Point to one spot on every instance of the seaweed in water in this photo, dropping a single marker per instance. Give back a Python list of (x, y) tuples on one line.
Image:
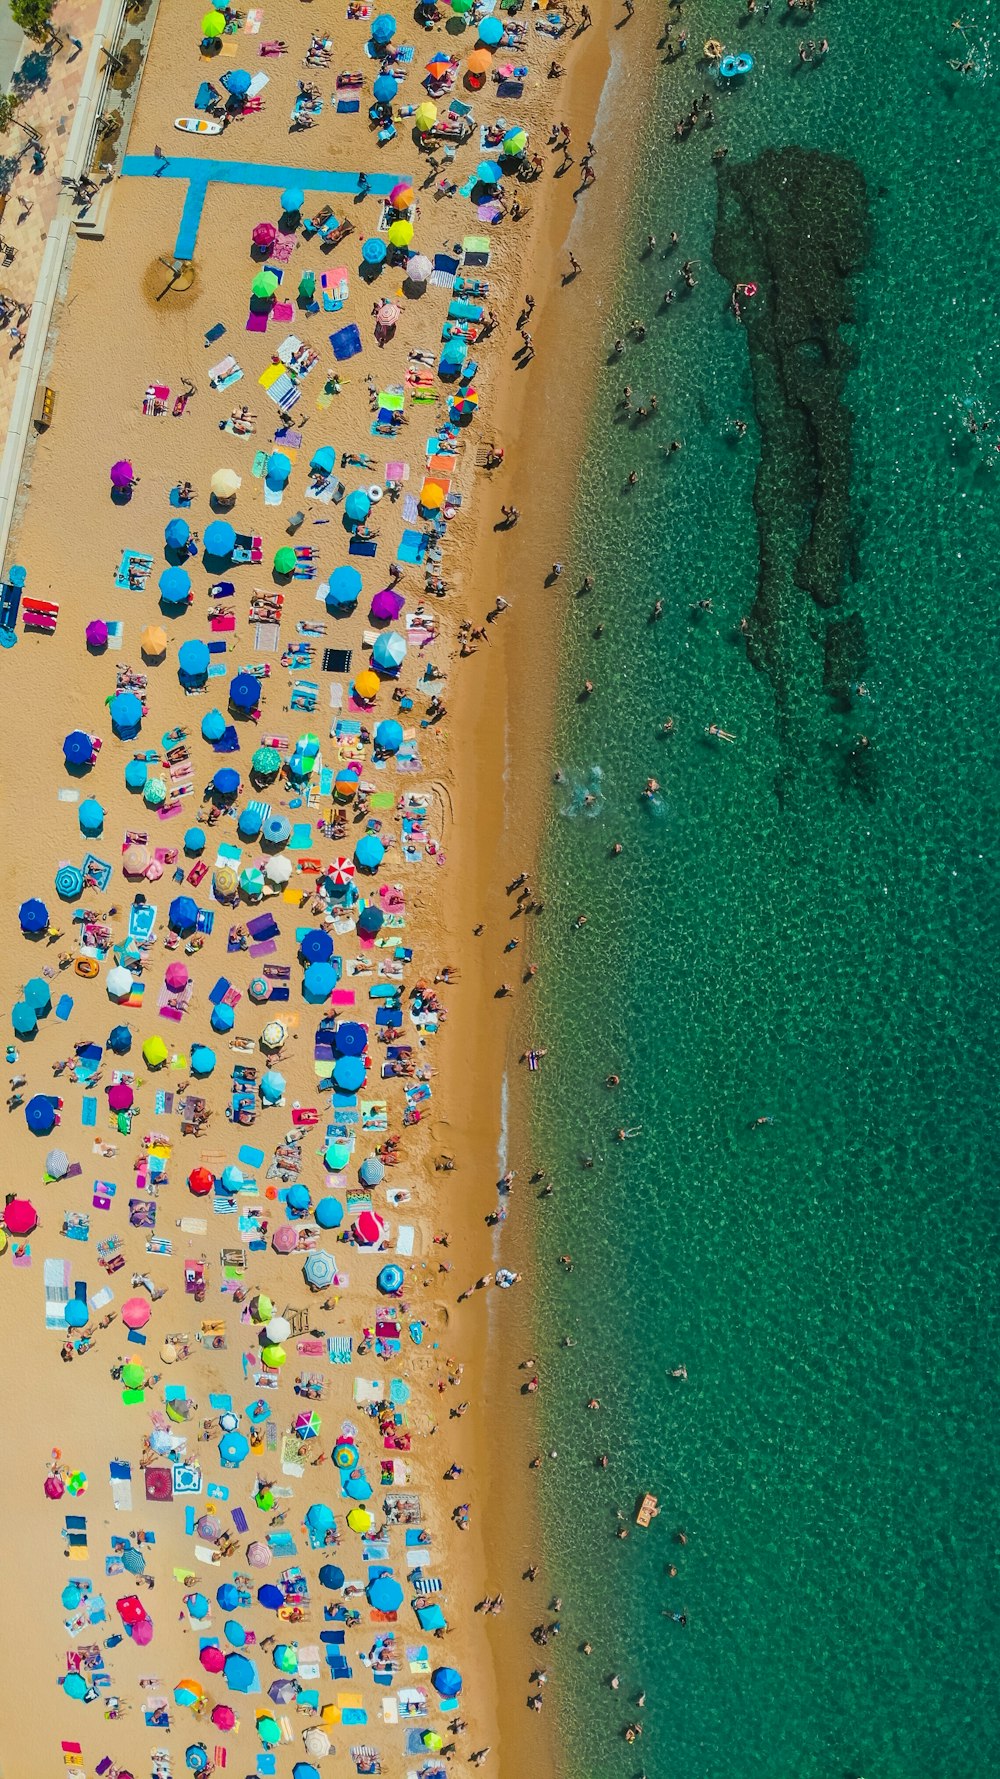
[(794, 221)]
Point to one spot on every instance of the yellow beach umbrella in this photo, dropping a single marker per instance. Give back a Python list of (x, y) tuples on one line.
[(400, 233), (367, 684), (213, 24), (155, 1051), (360, 1520), (425, 115), (226, 483), (153, 640)]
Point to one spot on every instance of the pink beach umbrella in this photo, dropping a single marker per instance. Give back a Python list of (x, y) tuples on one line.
[(122, 474), (97, 634), (387, 314), (265, 234), (177, 976), (142, 1632), (224, 1717), (369, 1229), (258, 1555), (212, 1659), (120, 1097), (285, 1239), (54, 1487), (136, 1312)]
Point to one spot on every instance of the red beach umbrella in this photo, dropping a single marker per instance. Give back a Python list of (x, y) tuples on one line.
[(341, 871), (201, 1182), (369, 1228), (136, 1312), (19, 1216)]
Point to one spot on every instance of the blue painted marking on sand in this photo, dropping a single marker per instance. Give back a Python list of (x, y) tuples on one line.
[(200, 174)]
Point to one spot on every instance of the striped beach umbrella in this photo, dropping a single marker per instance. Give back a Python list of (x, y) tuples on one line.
[(341, 871)]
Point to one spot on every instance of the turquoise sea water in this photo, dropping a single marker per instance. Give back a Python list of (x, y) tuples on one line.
[(800, 929)]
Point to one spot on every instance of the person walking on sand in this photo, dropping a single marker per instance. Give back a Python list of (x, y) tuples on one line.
[(575, 266)]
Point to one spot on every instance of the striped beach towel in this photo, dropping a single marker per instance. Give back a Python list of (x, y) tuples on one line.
[(338, 1349), (55, 1274)]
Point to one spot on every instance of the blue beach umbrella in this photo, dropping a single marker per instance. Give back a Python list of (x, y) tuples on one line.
[(328, 1213), (389, 651), (279, 468), (226, 782), (193, 659), (196, 1758), (223, 1018), (383, 27), (240, 1673), (76, 1313), (447, 1682), (202, 1059), (24, 1019), (452, 355), (126, 714), (316, 946), (351, 1038), (371, 920), (38, 994), (197, 1605), (75, 1687), (373, 251), (250, 823), (90, 816), (385, 89), (384, 1594), (40, 1115), (244, 691), (324, 458), (183, 915), (292, 199), (213, 725), (233, 1449), (272, 1086), (176, 534), (270, 1597), (228, 1596), (233, 1631), (319, 1517), (372, 1171), (298, 1198), (220, 538), (390, 1280), (33, 916), (489, 173), (349, 1073), (319, 1271), (490, 32), (175, 585), (389, 735), (237, 82), (277, 829), (331, 1577), (344, 587), (78, 749), (136, 774), (194, 840), (120, 1040), (319, 982), (357, 506), (369, 852)]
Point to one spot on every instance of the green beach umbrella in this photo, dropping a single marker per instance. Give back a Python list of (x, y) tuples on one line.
[(284, 560), (252, 881), (265, 760), (133, 1376), (264, 285), (213, 24), (154, 792), (307, 287)]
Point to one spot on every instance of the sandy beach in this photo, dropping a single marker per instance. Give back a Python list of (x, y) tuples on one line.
[(125, 329)]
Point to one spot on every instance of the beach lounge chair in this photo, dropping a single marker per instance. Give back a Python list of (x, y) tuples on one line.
[(311, 225), (39, 614)]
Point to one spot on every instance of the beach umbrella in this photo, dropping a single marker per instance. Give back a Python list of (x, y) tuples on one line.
[(373, 251), (329, 1213), (76, 1313), (54, 1489), (120, 1096), (319, 982), (316, 946), (252, 882), (226, 782), (315, 1740), (224, 1717), (237, 82), (270, 1597), (307, 1425), (24, 1019), (68, 882), (154, 1051), (341, 872), (175, 585), (264, 286), (331, 1577), (343, 587), (226, 484), (369, 853), (177, 975), (233, 1449), (360, 1520), (384, 1594), (431, 1739), (383, 27), (447, 1682), (266, 762), (452, 355), (232, 1180), (244, 691), (425, 116), (388, 314), (196, 1755), (479, 63), (273, 1356), (278, 1328), (126, 713), (96, 634), (372, 1171), (202, 1059), (78, 748), (19, 1216), (183, 915), (514, 143), (227, 1595), (57, 1164), (273, 1035), (390, 1280), (345, 1455), (278, 870), (279, 468), (235, 1632), (241, 1675), (389, 651), (319, 1517), (40, 1115), (176, 534), (402, 195), (119, 982), (369, 1228), (194, 840), (297, 1199), (491, 32), (264, 235), (90, 816), (307, 287), (284, 560), (370, 921), (75, 1687), (250, 822), (366, 685), (223, 1018), (419, 268), (201, 1181), (213, 725), (272, 1086), (285, 1658), (188, 1692), (323, 460), (219, 539), (319, 1270), (400, 233), (197, 1605), (268, 1729), (292, 199), (385, 89), (285, 1239), (213, 24), (212, 1659), (38, 994), (136, 1312), (489, 173), (388, 737), (155, 792), (304, 1769), (122, 474), (33, 916), (336, 1156), (464, 403), (120, 1039)]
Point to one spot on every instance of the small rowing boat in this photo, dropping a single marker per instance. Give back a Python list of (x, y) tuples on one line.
[(198, 126), (647, 1510)]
